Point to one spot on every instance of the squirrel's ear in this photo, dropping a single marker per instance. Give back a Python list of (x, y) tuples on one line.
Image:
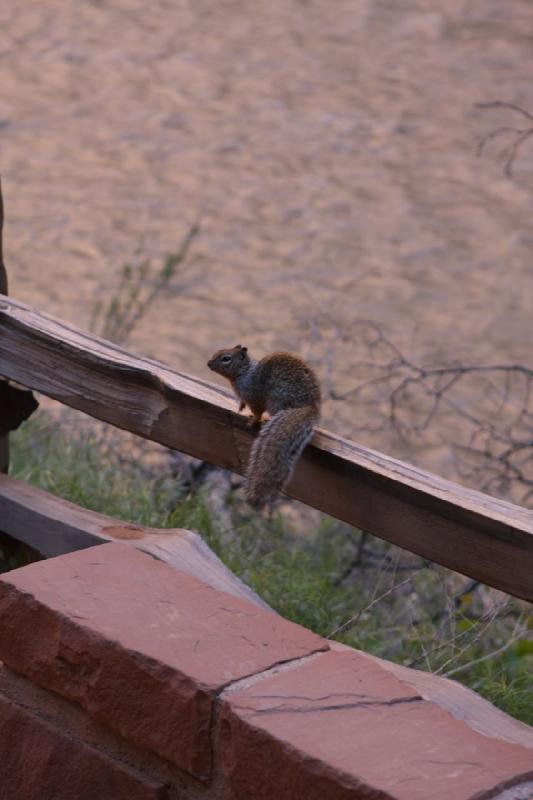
[(244, 350)]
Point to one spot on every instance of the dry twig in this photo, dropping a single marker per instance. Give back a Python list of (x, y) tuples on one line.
[(518, 135)]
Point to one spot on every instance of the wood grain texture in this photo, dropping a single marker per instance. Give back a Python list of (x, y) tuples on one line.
[(472, 533), (53, 526)]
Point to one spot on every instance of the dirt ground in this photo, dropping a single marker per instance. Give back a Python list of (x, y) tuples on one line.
[(327, 149)]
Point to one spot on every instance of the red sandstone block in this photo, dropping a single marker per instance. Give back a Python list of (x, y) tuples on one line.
[(40, 762), (340, 726), (142, 647)]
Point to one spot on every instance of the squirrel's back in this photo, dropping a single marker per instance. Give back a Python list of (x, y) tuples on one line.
[(286, 381)]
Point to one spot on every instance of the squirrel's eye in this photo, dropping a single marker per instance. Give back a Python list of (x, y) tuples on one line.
[(225, 359)]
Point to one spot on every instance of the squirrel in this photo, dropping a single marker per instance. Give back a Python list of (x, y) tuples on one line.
[(285, 387)]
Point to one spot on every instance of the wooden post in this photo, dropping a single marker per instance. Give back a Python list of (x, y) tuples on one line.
[(4, 440), (16, 404)]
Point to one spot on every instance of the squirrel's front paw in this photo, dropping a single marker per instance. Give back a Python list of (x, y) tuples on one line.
[(253, 422)]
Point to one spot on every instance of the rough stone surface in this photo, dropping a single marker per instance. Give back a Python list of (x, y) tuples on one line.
[(340, 726), (142, 647), (77, 726), (41, 762)]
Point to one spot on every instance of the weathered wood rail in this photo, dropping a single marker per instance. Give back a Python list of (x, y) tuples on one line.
[(467, 531)]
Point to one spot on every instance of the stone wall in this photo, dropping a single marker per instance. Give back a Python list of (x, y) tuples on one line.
[(125, 678)]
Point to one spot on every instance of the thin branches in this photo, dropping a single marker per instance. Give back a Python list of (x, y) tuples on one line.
[(482, 413), (137, 290), (520, 630), (518, 135)]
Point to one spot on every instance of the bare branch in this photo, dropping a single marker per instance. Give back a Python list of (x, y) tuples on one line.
[(503, 104), (520, 135), (488, 406)]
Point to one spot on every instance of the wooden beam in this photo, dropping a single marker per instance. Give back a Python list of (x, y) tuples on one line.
[(4, 440), (472, 533), (16, 405), (3, 272), (53, 526)]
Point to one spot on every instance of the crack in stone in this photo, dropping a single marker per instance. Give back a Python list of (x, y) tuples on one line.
[(310, 699), (288, 709), (279, 666), (450, 763)]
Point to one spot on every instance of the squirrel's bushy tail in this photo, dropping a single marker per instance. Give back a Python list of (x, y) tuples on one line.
[(276, 450)]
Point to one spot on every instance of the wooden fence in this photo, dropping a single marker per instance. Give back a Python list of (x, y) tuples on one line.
[(465, 530)]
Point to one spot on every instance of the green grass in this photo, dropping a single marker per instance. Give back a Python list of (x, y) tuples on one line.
[(401, 609)]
